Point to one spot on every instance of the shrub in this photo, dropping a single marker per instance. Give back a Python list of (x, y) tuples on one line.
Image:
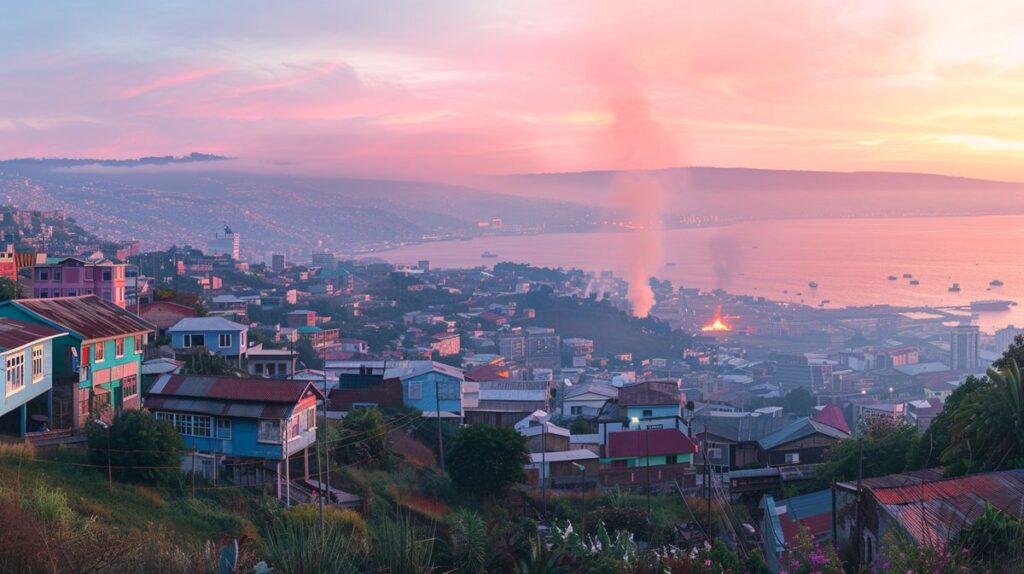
[(142, 448), (348, 522)]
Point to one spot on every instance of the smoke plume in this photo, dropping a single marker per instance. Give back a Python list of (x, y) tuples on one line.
[(638, 143)]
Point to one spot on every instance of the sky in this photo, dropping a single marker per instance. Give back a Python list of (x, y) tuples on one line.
[(429, 89)]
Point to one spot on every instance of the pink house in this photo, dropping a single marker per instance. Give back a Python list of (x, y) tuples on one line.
[(71, 277)]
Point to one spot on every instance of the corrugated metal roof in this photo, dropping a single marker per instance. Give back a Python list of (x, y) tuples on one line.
[(88, 316), (233, 389), (799, 429), (933, 511), (805, 505), (562, 456), (833, 416), (205, 324), (14, 333), (219, 408), (652, 442)]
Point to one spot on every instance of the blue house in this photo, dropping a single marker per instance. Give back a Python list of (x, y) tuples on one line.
[(26, 353), (430, 386), (96, 366), (228, 423), (216, 334)]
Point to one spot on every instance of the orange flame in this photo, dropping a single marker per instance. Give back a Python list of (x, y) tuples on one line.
[(718, 324)]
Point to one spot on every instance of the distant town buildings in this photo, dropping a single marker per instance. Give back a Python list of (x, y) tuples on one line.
[(227, 243)]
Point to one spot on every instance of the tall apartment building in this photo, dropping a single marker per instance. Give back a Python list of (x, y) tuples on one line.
[(227, 243), (1005, 336), (9, 264), (577, 352), (72, 277), (963, 348), (277, 262), (801, 371), (512, 346), (543, 348)]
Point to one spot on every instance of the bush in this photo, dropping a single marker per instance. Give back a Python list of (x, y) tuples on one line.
[(142, 448), (348, 522), (486, 460)]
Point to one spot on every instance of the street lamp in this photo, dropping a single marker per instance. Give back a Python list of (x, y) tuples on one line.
[(583, 490), (110, 472)]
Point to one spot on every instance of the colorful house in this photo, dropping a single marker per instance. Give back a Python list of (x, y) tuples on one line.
[(96, 366), (804, 441), (73, 277), (237, 421), (215, 334), (658, 455), (26, 353), (426, 385), (650, 399)]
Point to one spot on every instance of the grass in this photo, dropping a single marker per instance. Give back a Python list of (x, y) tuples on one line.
[(130, 507)]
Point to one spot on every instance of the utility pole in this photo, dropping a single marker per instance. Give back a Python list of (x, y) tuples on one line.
[(440, 437), (647, 470), (860, 475), (543, 472), (707, 487)]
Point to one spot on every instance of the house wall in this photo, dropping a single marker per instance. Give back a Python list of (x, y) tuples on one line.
[(548, 443), (811, 449), (648, 411), (637, 476), (386, 394), (238, 341), (31, 388), (426, 398)]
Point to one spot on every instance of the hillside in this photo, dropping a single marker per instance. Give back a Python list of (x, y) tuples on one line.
[(742, 193)]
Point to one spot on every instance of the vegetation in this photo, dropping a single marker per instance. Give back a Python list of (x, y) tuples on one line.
[(9, 289), (987, 430), (994, 539), (207, 363), (486, 461), (798, 402), (936, 439), (363, 439), (885, 446), (137, 447)]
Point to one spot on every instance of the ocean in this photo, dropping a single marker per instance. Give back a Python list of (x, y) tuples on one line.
[(849, 259)]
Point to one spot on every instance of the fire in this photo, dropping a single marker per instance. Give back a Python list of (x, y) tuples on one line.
[(718, 325)]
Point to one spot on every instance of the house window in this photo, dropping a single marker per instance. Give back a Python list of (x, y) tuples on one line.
[(224, 340), (100, 352), (106, 275), (576, 410), (129, 387), (193, 340), (43, 293), (190, 425), (448, 390), (269, 431), (671, 459), (72, 292), (224, 429), (56, 274), (83, 402), (138, 343), (715, 453), (792, 458), (44, 275), (119, 347), (15, 373), (648, 413), (294, 424), (37, 363), (201, 426), (619, 463), (310, 419), (415, 390)]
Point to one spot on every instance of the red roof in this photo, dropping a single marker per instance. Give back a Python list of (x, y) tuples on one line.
[(233, 388), (832, 416), (653, 442), (14, 333)]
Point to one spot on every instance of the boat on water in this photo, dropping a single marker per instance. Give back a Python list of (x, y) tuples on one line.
[(954, 288), (892, 278), (995, 283), (915, 282), (670, 264), (813, 284), (908, 275), (824, 302), (488, 255), (991, 304)]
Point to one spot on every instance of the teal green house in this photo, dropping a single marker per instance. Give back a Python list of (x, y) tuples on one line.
[(26, 375), (96, 365)]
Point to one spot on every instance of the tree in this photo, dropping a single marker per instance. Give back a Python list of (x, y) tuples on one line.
[(364, 438), (486, 460), (927, 453), (993, 538), (988, 428), (207, 363), (885, 452), (141, 447), (9, 289), (798, 402)]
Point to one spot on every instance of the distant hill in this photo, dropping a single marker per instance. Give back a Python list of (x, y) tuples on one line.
[(742, 193), (271, 211)]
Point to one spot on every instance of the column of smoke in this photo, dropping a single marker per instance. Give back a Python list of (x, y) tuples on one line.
[(637, 142)]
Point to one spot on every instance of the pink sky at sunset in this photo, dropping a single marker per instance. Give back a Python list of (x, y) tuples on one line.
[(417, 89)]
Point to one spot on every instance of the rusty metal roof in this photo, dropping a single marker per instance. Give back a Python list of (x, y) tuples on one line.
[(87, 317), (934, 511), (228, 396), (648, 442), (14, 333)]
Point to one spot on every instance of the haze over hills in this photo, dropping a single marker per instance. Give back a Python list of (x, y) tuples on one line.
[(745, 193), (187, 199)]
